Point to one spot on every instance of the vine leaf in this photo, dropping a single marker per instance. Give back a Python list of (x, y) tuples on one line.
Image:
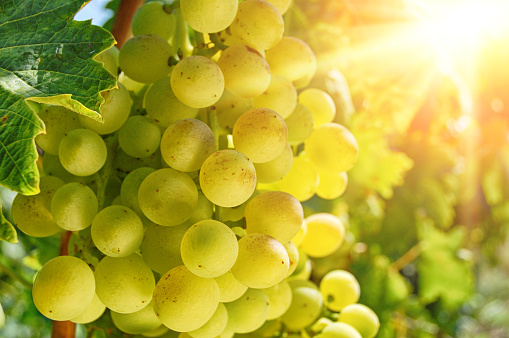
[(45, 57), (7, 231)]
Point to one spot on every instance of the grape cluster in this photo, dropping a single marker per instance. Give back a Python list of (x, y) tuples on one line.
[(189, 191)]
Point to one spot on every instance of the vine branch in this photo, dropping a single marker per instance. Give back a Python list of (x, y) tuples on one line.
[(122, 24)]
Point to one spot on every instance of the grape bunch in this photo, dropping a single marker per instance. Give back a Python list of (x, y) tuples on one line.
[(185, 200)]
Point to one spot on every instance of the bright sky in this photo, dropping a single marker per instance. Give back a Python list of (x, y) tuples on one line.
[(94, 10)]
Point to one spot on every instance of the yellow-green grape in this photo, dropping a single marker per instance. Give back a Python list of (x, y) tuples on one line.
[(52, 167), (331, 185), (281, 5), (248, 313), (274, 170), (301, 181), (163, 106), (215, 326), (186, 144), (197, 81), (58, 121), (300, 124), (63, 288), (293, 255), (332, 148), (130, 84), (362, 318), (304, 309), (139, 137), (325, 233), (280, 298), (227, 333), (237, 213), (258, 24), (340, 330), (115, 111), (291, 58), (246, 73), (320, 104), (91, 313), (297, 239), (161, 247), (204, 210), (339, 288), (260, 134), (144, 58), (124, 164), (183, 301), (230, 107), (297, 283), (275, 213), (271, 328), (209, 16), (230, 288), (131, 185), (107, 58), (32, 214), (262, 261), (303, 273), (167, 197), (159, 332), (227, 178), (82, 152), (279, 96), (117, 231), (124, 284), (152, 18), (209, 248), (74, 206), (136, 322)]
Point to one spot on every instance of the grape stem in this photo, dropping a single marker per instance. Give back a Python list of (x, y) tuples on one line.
[(180, 42), (122, 25), (408, 257), (103, 176)]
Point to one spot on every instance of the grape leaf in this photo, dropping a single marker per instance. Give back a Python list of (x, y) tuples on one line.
[(2, 317), (7, 231), (45, 57)]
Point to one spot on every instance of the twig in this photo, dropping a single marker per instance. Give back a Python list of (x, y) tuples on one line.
[(122, 25), (408, 257), (15, 276)]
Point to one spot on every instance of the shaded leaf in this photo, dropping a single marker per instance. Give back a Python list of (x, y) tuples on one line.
[(7, 230)]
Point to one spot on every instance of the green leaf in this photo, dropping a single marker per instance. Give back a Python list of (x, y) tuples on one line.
[(7, 231), (47, 58), (2, 317)]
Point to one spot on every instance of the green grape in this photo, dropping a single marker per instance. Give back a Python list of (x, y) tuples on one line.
[(215, 326), (74, 206), (117, 231), (209, 16), (117, 201), (260, 134), (303, 271), (293, 255), (340, 330), (297, 239), (274, 170), (183, 301), (280, 298), (229, 108), (230, 288), (52, 167), (258, 24), (247, 313), (139, 137), (235, 214), (58, 121), (291, 58), (339, 288), (262, 261), (246, 73), (197, 81), (130, 84), (331, 185), (204, 210), (82, 152), (209, 248), (153, 19), (320, 104), (144, 58), (167, 197), (160, 331), (332, 148), (281, 5), (131, 185), (186, 144), (275, 213), (107, 58), (325, 233), (63, 288), (297, 283), (300, 124), (124, 164), (91, 313), (161, 247), (136, 322), (301, 181), (115, 111), (227, 178), (163, 106), (362, 318), (304, 309), (32, 214), (124, 284), (279, 96)]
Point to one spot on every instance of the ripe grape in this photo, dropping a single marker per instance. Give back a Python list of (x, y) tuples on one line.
[(82, 152), (108, 59), (280, 298), (279, 96), (152, 18), (209, 16), (325, 233), (229, 287), (274, 170), (230, 107), (139, 137), (58, 121), (74, 206), (339, 288), (281, 5), (320, 104), (247, 313), (301, 181), (304, 309), (300, 124), (215, 326), (131, 185), (137, 322), (332, 185), (340, 330), (291, 58), (91, 313), (362, 318), (293, 255)]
